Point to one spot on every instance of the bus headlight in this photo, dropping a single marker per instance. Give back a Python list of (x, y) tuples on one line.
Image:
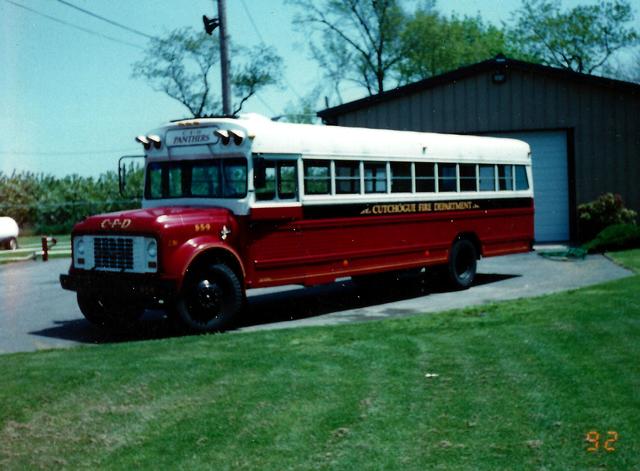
[(80, 247), (152, 249)]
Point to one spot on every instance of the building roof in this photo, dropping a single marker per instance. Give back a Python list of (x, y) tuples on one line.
[(498, 63)]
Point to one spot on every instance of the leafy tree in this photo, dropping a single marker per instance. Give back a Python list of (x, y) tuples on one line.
[(582, 39), (304, 110), (182, 65), (634, 73), (359, 40), (433, 44), (46, 204)]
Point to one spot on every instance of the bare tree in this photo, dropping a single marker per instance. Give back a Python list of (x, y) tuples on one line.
[(182, 65)]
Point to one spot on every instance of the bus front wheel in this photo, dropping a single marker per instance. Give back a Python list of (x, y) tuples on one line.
[(103, 311), (462, 263), (211, 298)]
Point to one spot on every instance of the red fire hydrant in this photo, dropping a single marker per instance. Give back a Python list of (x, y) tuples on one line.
[(45, 246)]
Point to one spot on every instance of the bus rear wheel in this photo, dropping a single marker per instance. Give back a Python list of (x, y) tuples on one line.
[(210, 299), (463, 260)]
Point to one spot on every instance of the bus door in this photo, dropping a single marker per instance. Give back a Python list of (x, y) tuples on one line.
[(275, 239)]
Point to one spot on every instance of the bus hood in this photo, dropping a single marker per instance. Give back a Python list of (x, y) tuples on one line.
[(154, 220)]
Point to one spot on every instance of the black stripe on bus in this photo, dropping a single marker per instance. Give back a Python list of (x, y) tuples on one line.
[(411, 207)]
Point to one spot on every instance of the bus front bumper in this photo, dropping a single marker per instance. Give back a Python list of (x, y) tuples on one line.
[(120, 285)]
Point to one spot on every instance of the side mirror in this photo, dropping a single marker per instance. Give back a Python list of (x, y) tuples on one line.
[(259, 172), (133, 172)]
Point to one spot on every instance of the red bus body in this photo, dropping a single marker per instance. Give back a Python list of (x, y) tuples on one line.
[(309, 239)]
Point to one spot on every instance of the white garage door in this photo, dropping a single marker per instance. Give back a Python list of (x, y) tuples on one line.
[(550, 183)]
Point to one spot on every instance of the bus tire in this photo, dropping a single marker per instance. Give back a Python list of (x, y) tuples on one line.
[(117, 316), (210, 299), (463, 261)]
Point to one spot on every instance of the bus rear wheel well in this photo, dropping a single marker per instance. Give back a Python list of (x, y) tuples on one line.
[(473, 238)]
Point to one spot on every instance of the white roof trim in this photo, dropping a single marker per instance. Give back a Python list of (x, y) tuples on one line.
[(271, 137)]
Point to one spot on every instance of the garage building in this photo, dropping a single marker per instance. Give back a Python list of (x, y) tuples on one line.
[(584, 131)]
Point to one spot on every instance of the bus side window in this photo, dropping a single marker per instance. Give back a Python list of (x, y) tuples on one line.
[(425, 178), (347, 177), (468, 177), (522, 183), (375, 177), (287, 180), (400, 177), (505, 177), (487, 178), (447, 180), (268, 191), (317, 177)]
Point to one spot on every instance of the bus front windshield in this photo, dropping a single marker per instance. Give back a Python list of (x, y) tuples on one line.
[(212, 178)]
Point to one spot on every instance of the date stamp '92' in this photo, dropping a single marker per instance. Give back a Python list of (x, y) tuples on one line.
[(593, 438)]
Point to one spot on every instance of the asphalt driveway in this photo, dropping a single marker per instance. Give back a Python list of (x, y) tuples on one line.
[(35, 313)]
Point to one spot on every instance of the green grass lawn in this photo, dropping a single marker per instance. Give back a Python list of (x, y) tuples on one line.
[(35, 240), (519, 384)]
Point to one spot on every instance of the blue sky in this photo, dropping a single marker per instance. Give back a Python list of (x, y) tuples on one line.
[(68, 103)]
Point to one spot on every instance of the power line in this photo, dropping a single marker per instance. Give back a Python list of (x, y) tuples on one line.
[(114, 23), (71, 25), (114, 151), (65, 204), (265, 104), (255, 28)]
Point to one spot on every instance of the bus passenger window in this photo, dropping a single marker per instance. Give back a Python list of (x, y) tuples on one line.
[(425, 178), (505, 177), (347, 177), (487, 178), (400, 177), (522, 183), (287, 180), (447, 177), (468, 177), (268, 191), (317, 177), (375, 177)]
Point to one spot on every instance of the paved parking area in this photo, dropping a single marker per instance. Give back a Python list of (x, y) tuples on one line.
[(498, 279), (35, 313)]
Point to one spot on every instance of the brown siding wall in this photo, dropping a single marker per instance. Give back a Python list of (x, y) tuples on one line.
[(605, 121)]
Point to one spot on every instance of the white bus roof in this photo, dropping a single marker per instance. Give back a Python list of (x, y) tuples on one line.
[(269, 137)]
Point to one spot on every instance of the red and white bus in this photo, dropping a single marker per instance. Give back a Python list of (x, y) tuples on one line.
[(232, 204)]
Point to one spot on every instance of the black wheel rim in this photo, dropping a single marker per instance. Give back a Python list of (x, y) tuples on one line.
[(207, 301)]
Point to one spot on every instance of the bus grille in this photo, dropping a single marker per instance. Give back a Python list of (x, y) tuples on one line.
[(113, 253)]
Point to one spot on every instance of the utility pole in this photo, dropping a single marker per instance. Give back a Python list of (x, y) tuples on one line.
[(211, 24), (224, 58)]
